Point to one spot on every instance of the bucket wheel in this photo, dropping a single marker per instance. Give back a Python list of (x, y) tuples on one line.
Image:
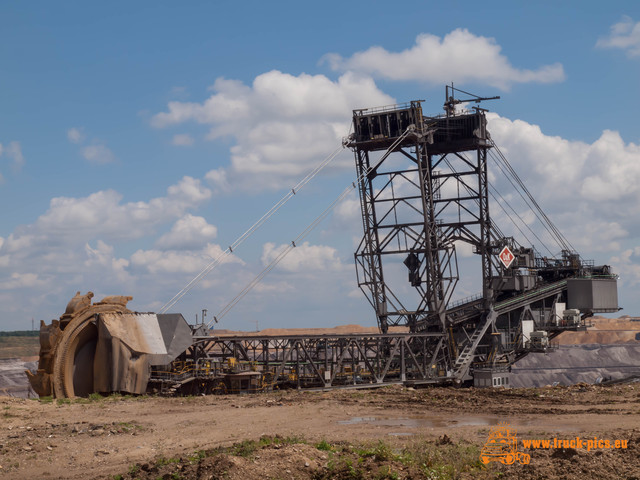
[(68, 346)]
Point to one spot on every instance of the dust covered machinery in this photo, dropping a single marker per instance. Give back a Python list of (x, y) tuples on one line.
[(103, 347)]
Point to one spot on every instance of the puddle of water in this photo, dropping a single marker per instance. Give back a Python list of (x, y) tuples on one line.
[(420, 422)]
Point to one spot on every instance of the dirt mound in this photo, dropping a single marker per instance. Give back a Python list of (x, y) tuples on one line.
[(608, 331)]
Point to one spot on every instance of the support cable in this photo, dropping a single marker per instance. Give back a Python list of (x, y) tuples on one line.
[(281, 255), (551, 229), (513, 183), (504, 200), (304, 233), (562, 240), (518, 216), (215, 262)]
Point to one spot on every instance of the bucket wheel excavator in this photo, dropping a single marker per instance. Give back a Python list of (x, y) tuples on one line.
[(424, 191)]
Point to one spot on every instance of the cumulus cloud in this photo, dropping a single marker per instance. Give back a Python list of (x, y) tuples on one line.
[(75, 135), (77, 244), (70, 220), (102, 257), (627, 264), (304, 258), (189, 232), (459, 55), (173, 261), (15, 153), (182, 140), (12, 151), (348, 211), (282, 124), (22, 280), (98, 154), (591, 190), (624, 35)]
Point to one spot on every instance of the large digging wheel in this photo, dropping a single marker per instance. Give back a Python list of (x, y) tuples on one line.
[(68, 345)]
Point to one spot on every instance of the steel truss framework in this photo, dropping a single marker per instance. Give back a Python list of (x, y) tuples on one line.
[(325, 361), (417, 207), (423, 186)]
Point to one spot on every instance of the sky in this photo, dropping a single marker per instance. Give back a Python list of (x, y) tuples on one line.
[(139, 140)]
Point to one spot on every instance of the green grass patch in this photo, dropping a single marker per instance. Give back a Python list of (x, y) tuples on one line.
[(162, 461), (197, 456), (324, 445), (366, 460)]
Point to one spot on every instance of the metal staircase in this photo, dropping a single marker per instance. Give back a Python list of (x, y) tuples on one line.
[(461, 366)]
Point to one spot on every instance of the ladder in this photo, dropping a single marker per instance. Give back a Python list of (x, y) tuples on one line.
[(461, 366)]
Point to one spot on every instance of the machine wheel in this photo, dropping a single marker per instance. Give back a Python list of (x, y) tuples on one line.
[(68, 347), (73, 364)]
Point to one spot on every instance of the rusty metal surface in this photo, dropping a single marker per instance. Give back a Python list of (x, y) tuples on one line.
[(130, 343), (104, 347), (140, 332)]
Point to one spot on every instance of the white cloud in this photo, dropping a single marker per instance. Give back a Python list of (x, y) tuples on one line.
[(627, 264), (304, 258), (348, 211), (173, 261), (182, 140), (103, 258), (76, 243), (188, 233), (459, 55), (22, 280), (624, 35), (14, 151), (218, 177), (102, 214), (591, 191), (463, 249), (282, 124), (98, 154), (75, 135)]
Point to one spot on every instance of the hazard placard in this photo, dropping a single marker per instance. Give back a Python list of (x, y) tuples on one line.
[(506, 257)]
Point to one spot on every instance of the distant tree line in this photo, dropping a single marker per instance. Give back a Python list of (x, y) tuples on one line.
[(21, 333)]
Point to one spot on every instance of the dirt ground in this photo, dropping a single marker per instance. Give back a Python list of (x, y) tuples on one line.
[(391, 432)]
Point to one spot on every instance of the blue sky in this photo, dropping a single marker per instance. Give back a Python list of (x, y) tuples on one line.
[(139, 140)]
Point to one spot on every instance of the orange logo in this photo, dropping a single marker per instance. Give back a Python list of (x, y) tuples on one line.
[(502, 446)]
